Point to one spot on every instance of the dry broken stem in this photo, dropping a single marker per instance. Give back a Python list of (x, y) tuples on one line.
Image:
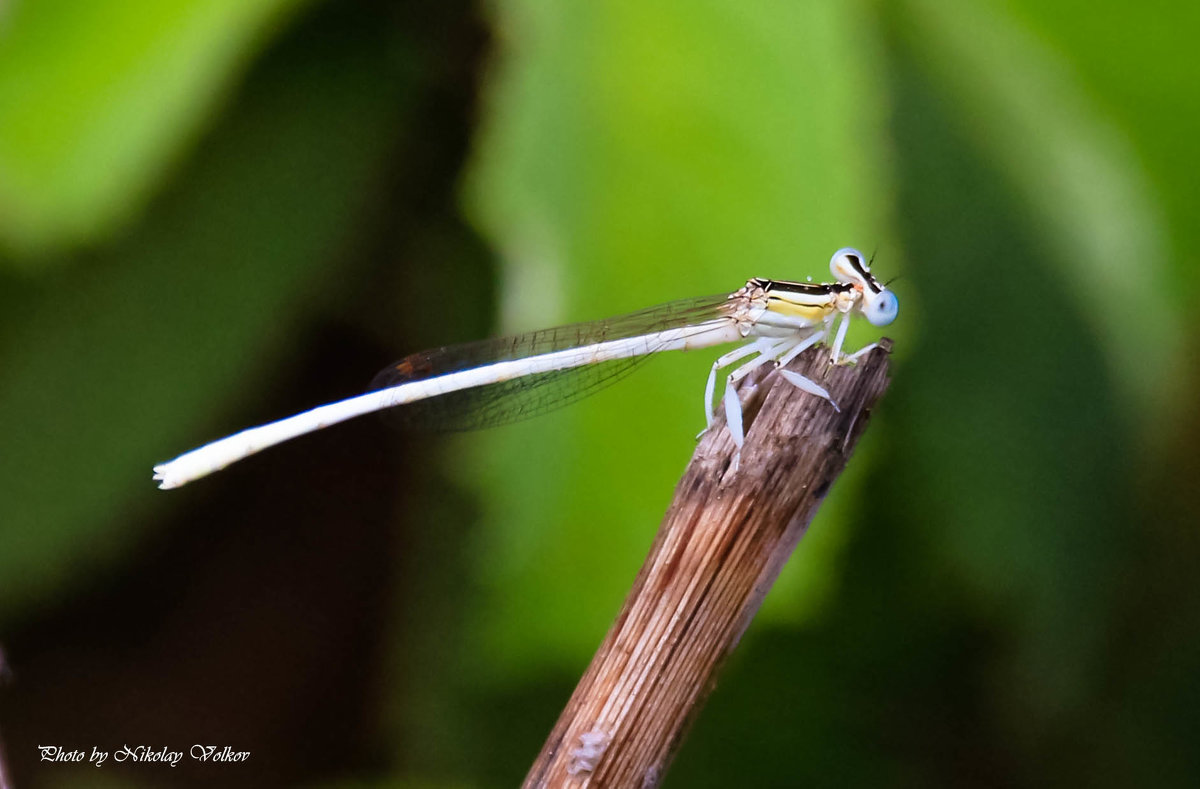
[(720, 547)]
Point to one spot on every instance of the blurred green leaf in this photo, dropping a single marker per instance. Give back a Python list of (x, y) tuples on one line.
[(115, 365), (1007, 447), (1137, 65), (97, 99), (647, 152), (1077, 171)]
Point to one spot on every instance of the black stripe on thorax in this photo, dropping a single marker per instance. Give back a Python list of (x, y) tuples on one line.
[(805, 288)]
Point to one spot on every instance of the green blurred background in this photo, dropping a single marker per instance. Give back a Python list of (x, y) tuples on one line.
[(214, 213)]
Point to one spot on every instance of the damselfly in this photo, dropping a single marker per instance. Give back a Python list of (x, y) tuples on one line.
[(505, 379)]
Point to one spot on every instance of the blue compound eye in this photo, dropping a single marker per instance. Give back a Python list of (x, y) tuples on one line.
[(882, 308)]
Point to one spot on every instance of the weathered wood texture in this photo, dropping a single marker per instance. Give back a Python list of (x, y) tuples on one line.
[(721, 545)]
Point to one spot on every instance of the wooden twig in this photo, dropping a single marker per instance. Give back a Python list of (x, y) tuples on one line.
[(721, 545)]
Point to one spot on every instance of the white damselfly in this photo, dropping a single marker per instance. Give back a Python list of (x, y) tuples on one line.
[(505, 379)]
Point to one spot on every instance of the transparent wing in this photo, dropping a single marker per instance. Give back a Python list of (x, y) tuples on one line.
[(531, 395)]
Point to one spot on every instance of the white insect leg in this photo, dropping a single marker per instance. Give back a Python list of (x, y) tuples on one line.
[(841, 337), (710, 387), (854, 357), (768, 353), (769, 350), (733, 418), (800, 348), (809, 385), (798, 380)]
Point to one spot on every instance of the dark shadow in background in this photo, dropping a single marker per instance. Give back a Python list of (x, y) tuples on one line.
[(260, 614)]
